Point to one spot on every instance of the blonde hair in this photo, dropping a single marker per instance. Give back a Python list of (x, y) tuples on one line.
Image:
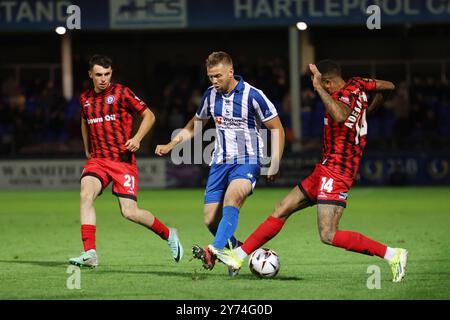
[(218, 57)]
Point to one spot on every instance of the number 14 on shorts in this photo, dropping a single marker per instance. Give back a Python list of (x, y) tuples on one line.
[(327, 184)]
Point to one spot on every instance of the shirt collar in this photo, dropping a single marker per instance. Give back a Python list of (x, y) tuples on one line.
[(104, 92), (240, 86)]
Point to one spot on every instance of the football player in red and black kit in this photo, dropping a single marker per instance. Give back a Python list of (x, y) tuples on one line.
[(346, 106), (106, 126)]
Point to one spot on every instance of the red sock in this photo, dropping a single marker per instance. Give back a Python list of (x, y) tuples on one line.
[(354, 241), (160, 229), (266, 231), (88, 236)]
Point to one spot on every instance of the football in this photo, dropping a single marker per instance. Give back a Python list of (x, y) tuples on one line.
[(264, 263)]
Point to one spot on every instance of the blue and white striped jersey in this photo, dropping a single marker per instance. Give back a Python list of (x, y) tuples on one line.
[(236, 115)]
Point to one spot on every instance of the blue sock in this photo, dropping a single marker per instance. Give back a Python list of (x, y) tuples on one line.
[(233, 240), (227, 226)]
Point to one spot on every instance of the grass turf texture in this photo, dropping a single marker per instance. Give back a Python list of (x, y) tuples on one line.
[(40, 230)]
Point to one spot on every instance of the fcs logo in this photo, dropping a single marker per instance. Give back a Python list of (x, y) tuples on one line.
[(219, 120), (86, 104), (110, 99)]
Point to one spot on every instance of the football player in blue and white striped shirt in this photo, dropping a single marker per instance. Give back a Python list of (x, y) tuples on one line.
[(237, 109)]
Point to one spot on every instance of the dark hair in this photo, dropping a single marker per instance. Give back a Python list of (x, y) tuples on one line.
[(218, 57), (329, 68), (101, 60)]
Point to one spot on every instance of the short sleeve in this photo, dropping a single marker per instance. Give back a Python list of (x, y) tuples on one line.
[(203, 111), (263, 106), (367, 83), (132, 102)]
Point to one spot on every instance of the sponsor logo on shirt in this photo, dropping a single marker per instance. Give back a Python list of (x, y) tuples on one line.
[(108, 117), (229, 123)]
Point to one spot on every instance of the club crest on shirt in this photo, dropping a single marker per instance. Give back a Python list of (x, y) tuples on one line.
[(227, 107), (86, 104), (110, 99)]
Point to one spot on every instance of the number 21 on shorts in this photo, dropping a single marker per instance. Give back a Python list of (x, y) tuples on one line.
[(129, 181), (327, 184)]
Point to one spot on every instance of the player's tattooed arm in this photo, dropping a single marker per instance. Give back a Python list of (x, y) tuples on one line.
[(339, 111), (382, 85), (383, 91)]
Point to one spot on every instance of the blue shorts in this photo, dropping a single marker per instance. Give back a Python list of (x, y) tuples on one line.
[(221, 175)]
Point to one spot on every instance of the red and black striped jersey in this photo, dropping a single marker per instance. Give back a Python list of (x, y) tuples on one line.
[(109, 118), (344, 143)]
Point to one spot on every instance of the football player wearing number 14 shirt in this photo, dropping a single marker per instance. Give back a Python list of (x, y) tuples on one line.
[(344, 140)]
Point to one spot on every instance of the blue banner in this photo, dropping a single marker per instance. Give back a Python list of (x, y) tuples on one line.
[(235, 13), (405, 169), (45, 15)]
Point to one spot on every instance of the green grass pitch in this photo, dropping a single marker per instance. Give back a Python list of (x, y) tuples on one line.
[(40, 230)]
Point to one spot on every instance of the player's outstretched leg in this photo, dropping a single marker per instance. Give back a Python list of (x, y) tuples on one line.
[(328, 220)]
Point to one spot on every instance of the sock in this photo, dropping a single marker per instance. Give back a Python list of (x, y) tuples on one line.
[(390, 253), (266, 231), (234, 241), (241, 253), (88, 236), (160, 229), (354, 241), (227, 226)]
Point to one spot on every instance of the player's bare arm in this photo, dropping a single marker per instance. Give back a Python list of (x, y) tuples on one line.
[(148, 119), (186, 134), (382, 85), (383, 91), (278, 137), (85, 136), (338, 110)]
